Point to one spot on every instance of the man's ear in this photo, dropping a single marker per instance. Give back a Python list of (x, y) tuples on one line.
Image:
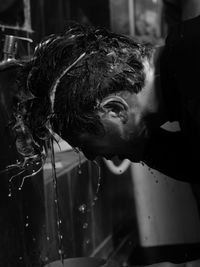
[(114, 107)]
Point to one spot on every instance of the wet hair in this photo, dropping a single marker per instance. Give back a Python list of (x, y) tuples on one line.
[(66, 79)]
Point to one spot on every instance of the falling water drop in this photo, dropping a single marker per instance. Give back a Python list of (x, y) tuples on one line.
[(85, 225), (82, 208), (60, 252), (55, 186), (9, 190), (79, 162), (97, 189), (87, 241), (95, 198)]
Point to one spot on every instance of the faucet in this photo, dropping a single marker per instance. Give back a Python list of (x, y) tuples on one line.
[(10, 49)]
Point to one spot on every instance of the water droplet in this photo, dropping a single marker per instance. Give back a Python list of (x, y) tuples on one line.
[(46, 258), (26, 224), (27, 217), (95, 198), (60, 252), (79, 171), (19, 188), (85, 225), (20, 258), (9, 195), (82, 208), (87, 241), (48, 238)]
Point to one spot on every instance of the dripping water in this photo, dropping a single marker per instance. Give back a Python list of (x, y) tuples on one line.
[(23, 168), (83, 208), (55, 186), (98, 184), (79, 163)]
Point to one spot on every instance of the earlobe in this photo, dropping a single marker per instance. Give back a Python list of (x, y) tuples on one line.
[(114, 107)]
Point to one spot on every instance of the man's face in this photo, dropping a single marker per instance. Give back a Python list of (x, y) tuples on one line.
[(125, 118), (125, 131), (107, 145)]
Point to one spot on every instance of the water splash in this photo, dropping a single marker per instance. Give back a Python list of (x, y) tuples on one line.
[(35, 167)]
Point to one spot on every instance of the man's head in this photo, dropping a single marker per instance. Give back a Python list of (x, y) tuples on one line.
[(97, 87)]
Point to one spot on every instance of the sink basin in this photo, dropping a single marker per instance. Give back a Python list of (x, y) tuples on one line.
[(78, 262)]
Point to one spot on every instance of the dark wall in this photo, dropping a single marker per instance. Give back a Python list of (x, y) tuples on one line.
[(52, 16)]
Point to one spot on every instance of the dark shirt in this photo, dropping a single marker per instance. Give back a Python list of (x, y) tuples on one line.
[(176, 154), (180, 76)]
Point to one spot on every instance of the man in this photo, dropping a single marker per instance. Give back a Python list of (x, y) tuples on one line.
[(108, 95)]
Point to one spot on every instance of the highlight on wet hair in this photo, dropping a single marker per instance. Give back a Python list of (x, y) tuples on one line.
[(66, 79)]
